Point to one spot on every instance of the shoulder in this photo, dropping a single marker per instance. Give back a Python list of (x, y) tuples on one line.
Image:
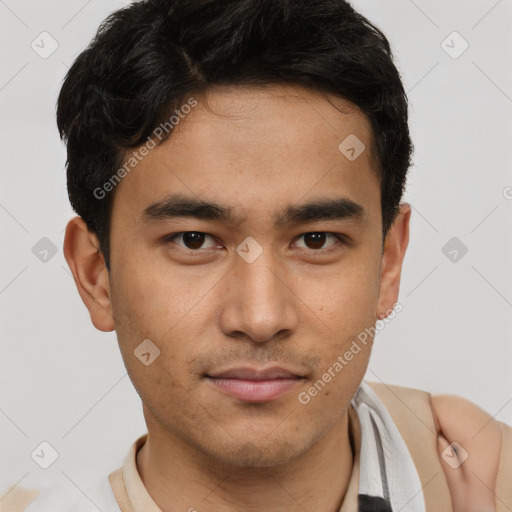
[(474, 450), (17, 498), (63, 496), (469, 445)]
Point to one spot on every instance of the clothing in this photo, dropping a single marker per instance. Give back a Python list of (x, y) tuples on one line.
[(396, 466), (386, 483)]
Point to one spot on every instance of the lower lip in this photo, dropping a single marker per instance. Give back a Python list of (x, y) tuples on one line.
[(254, 390)]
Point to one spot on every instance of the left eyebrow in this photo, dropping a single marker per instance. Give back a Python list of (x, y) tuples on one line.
[(341, 208), (179, 205)]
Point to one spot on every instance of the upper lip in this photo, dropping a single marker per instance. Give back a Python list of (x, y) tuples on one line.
[(248, 373)]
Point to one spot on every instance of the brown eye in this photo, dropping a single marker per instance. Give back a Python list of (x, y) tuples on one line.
[(316, 240), (192, 240)]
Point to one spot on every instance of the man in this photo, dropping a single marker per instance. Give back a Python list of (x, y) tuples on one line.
[(237, 168)]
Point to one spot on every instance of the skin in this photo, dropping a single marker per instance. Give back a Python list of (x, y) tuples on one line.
[(473, 482), (299, 304)]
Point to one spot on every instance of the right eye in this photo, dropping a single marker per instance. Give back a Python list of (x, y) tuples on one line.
[(192, 240)]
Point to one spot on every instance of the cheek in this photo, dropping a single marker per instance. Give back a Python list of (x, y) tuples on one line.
[(343, 366), (149, 303), (348, 299), (348, 304), (163, 391), (151, 298)]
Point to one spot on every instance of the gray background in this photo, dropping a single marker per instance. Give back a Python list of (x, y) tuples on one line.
[(64, 382)]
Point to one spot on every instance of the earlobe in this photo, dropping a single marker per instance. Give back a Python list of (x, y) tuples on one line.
[(395, 246), (81, 250)]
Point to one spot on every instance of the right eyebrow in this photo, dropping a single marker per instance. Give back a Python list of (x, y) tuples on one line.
[(179, 205)]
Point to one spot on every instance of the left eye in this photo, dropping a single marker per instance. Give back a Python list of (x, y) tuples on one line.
[(316, 240)]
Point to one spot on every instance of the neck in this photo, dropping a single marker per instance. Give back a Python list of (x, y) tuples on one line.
[(179, 478)]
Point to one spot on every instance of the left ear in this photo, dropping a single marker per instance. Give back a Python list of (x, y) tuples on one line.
[(395, 246)]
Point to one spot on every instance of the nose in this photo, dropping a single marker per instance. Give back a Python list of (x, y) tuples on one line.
[(259, 303)]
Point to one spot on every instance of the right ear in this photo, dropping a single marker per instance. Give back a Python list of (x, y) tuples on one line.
[(81, 250)]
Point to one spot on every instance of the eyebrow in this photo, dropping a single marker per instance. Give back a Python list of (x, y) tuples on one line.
[(179, 205)]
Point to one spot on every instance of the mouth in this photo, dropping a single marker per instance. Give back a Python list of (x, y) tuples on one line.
[(255, 385)]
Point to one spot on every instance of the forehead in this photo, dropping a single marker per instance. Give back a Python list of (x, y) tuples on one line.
[(251, 146), (274, 115)]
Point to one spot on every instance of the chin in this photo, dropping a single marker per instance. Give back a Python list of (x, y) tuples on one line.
[(264, 453)]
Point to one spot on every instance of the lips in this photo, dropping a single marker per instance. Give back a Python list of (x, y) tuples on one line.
[(246, 373), (255, 385)]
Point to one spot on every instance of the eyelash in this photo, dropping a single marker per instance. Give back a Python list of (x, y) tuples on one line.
[(342, 239)]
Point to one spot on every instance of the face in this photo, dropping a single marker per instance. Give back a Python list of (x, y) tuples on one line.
[(257, 297)]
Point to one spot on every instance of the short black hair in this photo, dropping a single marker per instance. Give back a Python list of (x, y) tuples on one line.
[(147, 58)]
